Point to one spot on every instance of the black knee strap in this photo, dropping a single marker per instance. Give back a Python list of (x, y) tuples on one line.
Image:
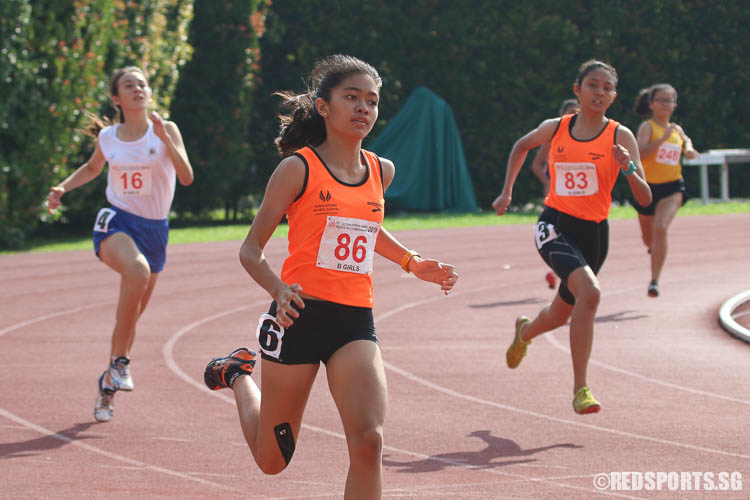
[(285, 438)]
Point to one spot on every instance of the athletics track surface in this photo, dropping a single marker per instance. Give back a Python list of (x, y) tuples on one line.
[(460, 424)]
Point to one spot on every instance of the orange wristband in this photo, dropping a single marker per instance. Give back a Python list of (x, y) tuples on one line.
[(407, 258)]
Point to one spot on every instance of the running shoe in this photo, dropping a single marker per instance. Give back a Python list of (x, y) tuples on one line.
[(119, 374), (222, 372), (653, 289), (584, 402), (105, 406), (551, 280), (517, 349)]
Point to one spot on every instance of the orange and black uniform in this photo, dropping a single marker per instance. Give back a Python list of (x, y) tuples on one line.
[(323, 197), (573, 230), (333, 226)]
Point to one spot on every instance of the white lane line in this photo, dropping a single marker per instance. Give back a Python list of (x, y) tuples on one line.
[(459, 395), (556, 343), (136, 464), (50, 316), (168, 354), (551, 418), (47, 432)]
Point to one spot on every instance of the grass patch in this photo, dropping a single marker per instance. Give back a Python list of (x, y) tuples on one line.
[(394, 222)]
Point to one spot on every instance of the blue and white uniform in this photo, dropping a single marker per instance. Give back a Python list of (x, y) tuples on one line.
[(140, 189)]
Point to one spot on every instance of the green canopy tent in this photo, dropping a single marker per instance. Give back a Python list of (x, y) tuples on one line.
[(423, 142)]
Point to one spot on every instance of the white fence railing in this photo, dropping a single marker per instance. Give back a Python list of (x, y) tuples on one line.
[(722, 158)]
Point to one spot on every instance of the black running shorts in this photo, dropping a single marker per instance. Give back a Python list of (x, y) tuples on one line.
[(659, 192), (322, 328), (567, 243)]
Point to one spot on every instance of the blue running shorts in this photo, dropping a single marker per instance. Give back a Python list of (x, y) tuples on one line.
[(149, 235)]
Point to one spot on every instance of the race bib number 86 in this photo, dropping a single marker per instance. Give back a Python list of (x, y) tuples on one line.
[(348, 245)]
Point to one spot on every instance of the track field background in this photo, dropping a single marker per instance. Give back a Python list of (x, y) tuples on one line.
[(460, 424)]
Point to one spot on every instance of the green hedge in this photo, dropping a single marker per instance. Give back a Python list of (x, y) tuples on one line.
[(504, 66)]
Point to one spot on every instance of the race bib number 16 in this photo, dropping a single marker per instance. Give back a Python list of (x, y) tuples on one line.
[(348, 245), (132, 180)]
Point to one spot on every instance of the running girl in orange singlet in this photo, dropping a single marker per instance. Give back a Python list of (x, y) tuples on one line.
[(541, 169), (662, 144), (587, 152), (332, 192)]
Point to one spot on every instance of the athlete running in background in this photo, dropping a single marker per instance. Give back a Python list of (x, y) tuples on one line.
[(540, 167), (588, 152), (145, 153), (332, 192), (662, 144)]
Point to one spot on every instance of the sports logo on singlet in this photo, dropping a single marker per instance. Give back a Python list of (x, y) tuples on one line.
[(327, 205)]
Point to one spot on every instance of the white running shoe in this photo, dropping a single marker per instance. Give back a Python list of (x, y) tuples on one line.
[(105, 406), (119, 374)]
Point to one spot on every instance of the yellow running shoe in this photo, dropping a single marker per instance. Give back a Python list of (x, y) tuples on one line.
[(517, 349), (584, 402)]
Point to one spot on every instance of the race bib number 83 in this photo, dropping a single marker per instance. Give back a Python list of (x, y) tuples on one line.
[(576, 179)]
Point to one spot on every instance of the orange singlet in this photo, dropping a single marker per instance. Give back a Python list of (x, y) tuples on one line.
[(582, 173), (333, 227)]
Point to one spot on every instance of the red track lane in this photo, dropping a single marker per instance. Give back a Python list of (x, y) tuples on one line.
[(460, 424)]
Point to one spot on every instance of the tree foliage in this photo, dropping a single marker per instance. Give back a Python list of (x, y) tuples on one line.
[(213, 102), (53, 54), (505, 66), (56, 61), (502, 66)]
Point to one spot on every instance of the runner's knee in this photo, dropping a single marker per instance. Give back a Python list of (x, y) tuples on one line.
[(274, 462), (366, 445), (660, 232), (271, 462), (137, 274), (271, 465), (589, 296)]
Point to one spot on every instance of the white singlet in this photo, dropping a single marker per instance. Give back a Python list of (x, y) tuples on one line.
[(141, 178)]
